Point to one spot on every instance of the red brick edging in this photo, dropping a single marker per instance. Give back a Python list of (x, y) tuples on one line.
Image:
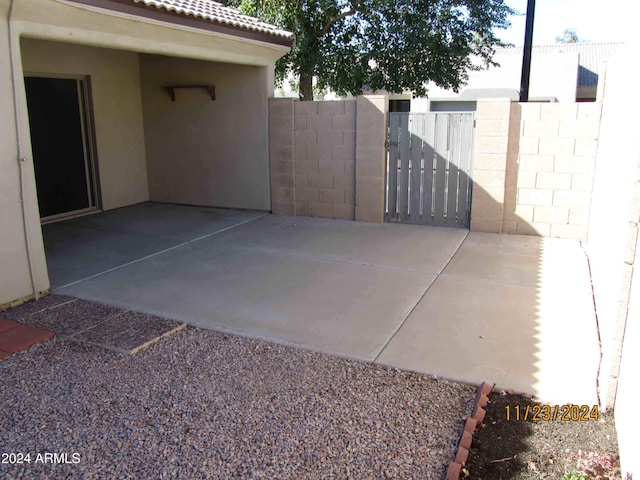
[(477, 415), (16, 336)]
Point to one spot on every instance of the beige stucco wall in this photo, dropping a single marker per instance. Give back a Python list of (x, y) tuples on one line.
[(72, 38), (117, 109), (204, 152), (612, 248), (626, 405), (15, 280)]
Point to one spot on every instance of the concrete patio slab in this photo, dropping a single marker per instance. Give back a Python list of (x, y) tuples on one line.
[(518, 316), (522, 260), (512, 260), (475, 307), (335, 286), (328, 306), (81, 247), (405, 247), (177, 222)]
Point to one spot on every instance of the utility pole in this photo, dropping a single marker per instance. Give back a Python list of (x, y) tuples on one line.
[(526, 55)]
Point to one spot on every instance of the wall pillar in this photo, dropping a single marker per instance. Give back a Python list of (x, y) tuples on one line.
[(281, 147), (22, 254), (490, 164), (371, 133)]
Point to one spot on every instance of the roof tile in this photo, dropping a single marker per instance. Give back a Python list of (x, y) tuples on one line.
[(217, 13)]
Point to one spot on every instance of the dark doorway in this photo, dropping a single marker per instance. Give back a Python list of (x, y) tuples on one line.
[(61, 145), (399, 106)]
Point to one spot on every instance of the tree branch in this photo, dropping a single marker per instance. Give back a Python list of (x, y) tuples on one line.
[(337, 18)]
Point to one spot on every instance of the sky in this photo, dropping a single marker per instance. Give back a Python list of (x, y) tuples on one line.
[(593, 20)]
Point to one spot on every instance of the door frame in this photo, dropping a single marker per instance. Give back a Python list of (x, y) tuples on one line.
[(87, 128)]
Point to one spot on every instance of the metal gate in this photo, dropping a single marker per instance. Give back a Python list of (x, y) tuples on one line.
[(429, 168)]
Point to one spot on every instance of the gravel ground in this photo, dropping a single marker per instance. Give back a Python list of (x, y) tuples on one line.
[(201, 404)]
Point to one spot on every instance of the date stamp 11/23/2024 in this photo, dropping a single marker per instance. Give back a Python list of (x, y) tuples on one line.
[(551, 413)]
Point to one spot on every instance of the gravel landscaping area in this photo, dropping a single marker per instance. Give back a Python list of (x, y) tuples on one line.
[(201, 404)]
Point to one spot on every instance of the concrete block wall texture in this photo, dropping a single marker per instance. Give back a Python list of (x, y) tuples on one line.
[(281, 149), (327, 159), (371, 127), (490, 164), (324, 158), (533, 167)]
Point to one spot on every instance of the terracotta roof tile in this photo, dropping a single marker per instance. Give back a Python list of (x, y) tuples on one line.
[(217, 13)]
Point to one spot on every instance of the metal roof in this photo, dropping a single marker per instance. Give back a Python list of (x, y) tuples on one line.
[(215, 12), (591, 56)]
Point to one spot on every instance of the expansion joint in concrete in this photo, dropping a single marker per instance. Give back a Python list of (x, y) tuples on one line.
[(404, 320)]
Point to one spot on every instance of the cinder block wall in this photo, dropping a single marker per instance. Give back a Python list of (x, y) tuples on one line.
[(316, 169), (533, 167), (324, 158)]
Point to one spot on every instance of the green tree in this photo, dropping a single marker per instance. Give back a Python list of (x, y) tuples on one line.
[(568, 36), (392, 45)]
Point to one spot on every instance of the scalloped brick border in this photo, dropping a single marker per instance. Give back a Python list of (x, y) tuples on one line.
[(477, 415)]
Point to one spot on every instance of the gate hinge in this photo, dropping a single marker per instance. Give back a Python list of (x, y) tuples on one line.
[(389, 144)]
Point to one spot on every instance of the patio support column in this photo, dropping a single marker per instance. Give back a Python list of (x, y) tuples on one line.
[(371, 157), (24, 269)]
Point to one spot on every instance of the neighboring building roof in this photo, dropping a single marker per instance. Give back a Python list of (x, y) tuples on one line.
[(217, 13), (591, 55)]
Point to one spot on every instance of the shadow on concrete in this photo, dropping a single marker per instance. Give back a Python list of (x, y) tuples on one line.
[(507, 309)]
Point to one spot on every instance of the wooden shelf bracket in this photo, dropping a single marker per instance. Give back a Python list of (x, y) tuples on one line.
[(171, 90)]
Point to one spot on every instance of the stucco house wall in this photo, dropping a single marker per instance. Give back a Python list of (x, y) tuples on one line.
[(117, 111), (204, 152), (15, 274), (107, 41), (612, 246)]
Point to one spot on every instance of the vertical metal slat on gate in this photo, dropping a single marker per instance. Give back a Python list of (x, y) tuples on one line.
[(417, 122), (442, 153), (392, 168), (453, 170), (403, 174), (427, 178), (466, 150)]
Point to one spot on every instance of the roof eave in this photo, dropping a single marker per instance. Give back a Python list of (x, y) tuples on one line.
[(172, 17)]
